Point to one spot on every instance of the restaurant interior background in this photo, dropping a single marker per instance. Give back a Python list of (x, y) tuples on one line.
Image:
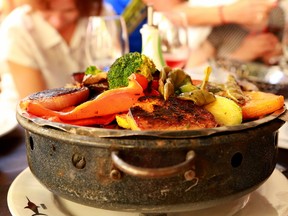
[(27, 194)]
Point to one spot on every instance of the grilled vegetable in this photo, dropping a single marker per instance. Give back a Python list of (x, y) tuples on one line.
[(179, 99), (174, 81), (234, 91), (59, 98), (92, 70), (200, 96), (225, 111), (260, 104), (107, 103), (127, 64)]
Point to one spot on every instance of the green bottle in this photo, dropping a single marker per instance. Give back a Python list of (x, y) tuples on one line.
[(134, 14)]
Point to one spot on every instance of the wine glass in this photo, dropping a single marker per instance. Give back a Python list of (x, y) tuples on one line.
[(106, 40), (173, 31), (285, 34)]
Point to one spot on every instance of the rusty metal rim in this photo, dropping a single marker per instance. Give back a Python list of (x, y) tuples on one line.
[(114, 133)]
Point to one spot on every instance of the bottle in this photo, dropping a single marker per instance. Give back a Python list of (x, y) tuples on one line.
[(151, 41), (134, 14)]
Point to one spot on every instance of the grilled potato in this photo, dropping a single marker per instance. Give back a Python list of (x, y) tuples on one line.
[(226, 111)]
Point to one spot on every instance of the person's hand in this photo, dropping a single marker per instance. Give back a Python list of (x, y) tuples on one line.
[(256, 46), (247, 12), (273, 57)]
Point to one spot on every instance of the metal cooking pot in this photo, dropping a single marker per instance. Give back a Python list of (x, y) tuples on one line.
[(151, 171)]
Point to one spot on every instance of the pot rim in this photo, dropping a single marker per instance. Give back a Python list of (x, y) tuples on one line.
[(118, 133)]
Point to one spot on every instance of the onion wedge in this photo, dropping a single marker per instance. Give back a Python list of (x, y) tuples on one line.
[(59, 98)]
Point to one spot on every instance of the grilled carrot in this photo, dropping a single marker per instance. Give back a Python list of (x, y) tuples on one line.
[(260, 104)]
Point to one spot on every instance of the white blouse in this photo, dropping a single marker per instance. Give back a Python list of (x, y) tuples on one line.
[(27, 39)]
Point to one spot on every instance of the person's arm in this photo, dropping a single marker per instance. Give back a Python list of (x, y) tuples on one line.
[(256, 46), (196, 15), (244, 12), (201, 55), (247, 12), (27, 80)]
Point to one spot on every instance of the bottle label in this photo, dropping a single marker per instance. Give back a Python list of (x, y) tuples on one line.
[(134, 14)]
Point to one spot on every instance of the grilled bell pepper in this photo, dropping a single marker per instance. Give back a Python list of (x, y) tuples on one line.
[(109, 102), (98, 120)]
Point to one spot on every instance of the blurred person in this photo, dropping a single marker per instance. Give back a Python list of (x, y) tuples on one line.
[(204, 14), (42, 42), (201, 14), (245, 43), (6, 6), (217, 12)]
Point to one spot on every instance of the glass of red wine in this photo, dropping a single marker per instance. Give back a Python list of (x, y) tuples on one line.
[(173, 30)]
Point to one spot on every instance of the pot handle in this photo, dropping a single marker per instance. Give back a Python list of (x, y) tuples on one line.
[(153, 172)]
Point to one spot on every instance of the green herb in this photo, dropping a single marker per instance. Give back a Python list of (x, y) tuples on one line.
[(93, 70)]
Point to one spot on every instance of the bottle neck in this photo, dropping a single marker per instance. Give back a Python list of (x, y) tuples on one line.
[(151, 45)]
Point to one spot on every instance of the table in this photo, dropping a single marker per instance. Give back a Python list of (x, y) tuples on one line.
[(13, 161)]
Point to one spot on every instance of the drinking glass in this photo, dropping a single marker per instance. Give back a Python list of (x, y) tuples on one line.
[(173, 31), (283, 59), (285, 33), (106, 40)]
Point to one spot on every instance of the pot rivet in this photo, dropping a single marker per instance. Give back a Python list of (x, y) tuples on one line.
[(190, 154), (78, 161), (115, 174), (189, 175)]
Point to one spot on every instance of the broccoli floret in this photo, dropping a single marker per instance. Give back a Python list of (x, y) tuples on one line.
[(127, 64)]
